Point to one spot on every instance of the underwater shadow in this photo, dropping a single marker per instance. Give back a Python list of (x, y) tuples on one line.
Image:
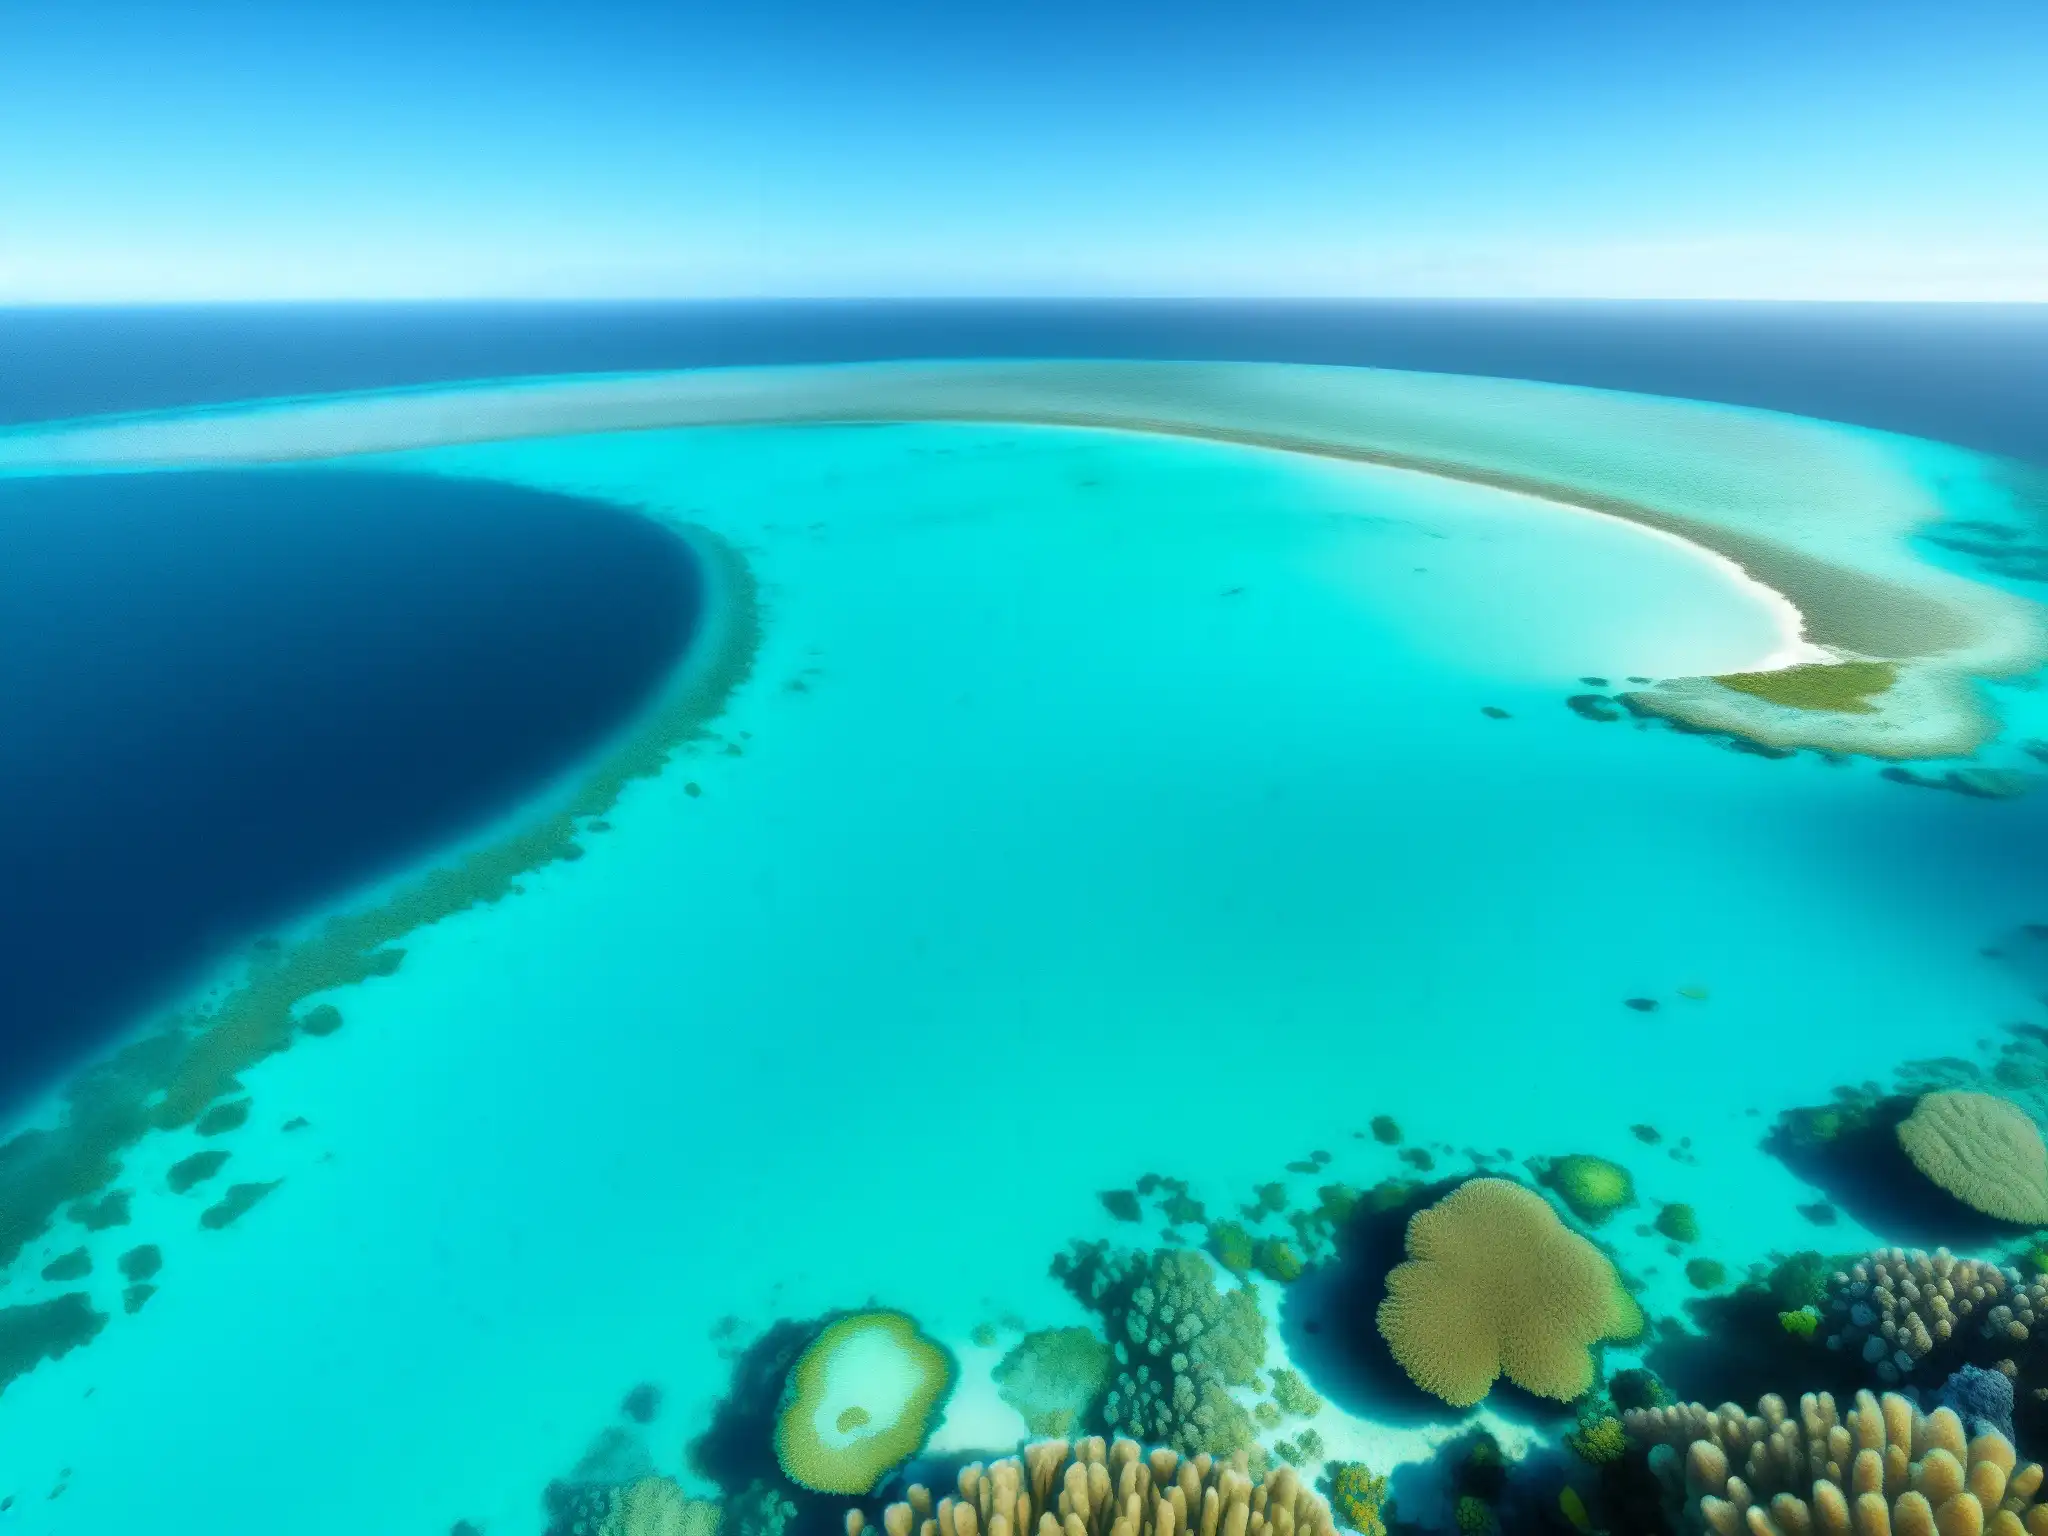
[(1863, 1170), (1329, 1319)]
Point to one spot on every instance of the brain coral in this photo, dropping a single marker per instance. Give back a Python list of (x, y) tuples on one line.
[(1496, 1284), (1982, 1149), (1900, 1305), (1885, 1469), (859, 1400), (1093, 1488)]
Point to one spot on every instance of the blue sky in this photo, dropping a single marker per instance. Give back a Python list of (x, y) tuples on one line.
[(189, 149)]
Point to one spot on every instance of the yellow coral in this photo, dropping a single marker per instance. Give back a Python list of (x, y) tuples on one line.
[(1496, 1284), (1982, 1149), (1885, 1470), (1098, 1488)]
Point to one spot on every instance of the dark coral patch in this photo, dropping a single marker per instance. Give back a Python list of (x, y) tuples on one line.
[(222, 1118), (109, 1210), (196, 1169), (44, 1331), (235, 1204), (75, 1265)]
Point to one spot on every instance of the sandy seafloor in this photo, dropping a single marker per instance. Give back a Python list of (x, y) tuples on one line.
[(1106, 805)]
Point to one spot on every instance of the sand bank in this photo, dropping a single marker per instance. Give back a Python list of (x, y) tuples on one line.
[(1816, 512)]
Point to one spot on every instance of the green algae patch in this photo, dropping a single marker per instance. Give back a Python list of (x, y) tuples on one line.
[(196, 1169), (1678, 1223), (321, 1021), (45, 1331), (235, 1204), (171, 1077), (1593, 1187), (1826, 687), (859, 1401), (1053, 1378)]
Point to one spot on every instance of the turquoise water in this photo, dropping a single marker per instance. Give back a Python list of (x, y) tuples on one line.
[(1093, 805)]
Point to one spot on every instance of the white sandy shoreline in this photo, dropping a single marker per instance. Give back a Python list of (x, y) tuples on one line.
[(1815, 516)]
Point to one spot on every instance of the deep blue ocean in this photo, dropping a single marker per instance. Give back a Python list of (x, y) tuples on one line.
[(229, 698), (1970, 374)]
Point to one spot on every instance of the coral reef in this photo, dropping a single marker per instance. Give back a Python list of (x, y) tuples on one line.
[(1358, 1498), (1093, 1488), (1472, 1516), (1898, 1306), (1593, 1187), (239, 1200), (1678, 1223), (1706, 1274), (1598, 1440), (1495, 1283), (860, 1399), (1303, 1450), (1885, 1468), (45, 1330), (1982, 1149), (1293, 1394), (1053, 1377), (656, 1506), (1180, 1345), (1981, 1399)]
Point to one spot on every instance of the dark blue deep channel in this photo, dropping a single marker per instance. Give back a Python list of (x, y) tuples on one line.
[(227, 698)]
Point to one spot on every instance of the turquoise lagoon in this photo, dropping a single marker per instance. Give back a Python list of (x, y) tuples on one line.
[(1094, 803)]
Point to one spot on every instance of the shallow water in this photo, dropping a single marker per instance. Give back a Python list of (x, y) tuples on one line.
[(1086, 805)]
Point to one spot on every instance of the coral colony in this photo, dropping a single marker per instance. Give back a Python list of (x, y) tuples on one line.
[(1171, 1416)]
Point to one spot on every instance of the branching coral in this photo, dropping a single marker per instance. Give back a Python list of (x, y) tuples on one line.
[(1495, 1284), (1982, 1149), (1884, 1469), (1180, 1345), (1900, 1305), (1359, 1498), (1091, 1488)]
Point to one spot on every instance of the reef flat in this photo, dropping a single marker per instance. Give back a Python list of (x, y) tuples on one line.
[(1817, 512)]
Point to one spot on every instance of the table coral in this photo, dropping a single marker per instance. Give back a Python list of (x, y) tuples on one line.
[(1886, 1468), (1095, 1488), (1496, 1284), (859, 1399), (1982, 1149)]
